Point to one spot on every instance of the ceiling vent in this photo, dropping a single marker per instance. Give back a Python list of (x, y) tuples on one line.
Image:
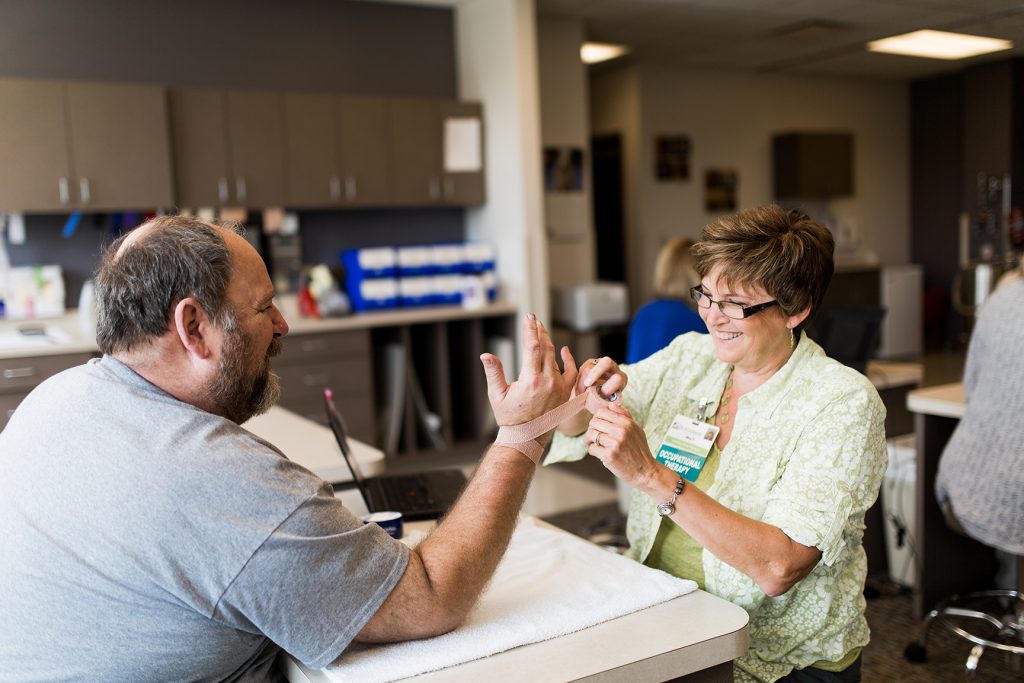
[(812, 31)]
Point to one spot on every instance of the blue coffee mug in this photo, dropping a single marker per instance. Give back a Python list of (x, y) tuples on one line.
[(391, 522)]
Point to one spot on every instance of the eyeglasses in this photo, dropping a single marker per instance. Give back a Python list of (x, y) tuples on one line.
[(729, 309)]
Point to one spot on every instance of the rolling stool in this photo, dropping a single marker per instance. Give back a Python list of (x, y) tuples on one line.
[(1000, 613)]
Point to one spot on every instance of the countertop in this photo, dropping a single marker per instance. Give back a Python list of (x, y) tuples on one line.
[(944, 400), (67, 334)]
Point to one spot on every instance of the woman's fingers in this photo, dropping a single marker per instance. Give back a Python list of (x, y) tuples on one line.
[(569, 372)]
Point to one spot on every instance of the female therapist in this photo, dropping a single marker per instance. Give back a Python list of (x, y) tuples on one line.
[(767, 510)]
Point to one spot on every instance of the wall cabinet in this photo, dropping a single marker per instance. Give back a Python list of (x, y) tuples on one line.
[(812, 165), (421, 172), (228, 147), (83, 146), (107, 146), (338, 149)]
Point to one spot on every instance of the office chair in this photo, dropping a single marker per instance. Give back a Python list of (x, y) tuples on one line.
[(992, 620), (849, 334)]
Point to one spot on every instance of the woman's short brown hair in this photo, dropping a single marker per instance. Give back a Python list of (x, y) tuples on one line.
[(786, 253)]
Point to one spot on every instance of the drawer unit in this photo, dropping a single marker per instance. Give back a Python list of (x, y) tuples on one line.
[(341, 361), (18, 376), (357, 411), (301, 348), (22, 374), (8, 402), (345, 376)]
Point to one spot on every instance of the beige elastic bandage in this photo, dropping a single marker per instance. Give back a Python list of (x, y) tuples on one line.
[(523, 437)]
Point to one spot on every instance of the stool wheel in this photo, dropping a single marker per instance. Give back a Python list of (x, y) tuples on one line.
[(916, 652)]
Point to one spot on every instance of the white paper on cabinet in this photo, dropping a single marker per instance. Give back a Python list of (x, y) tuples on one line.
[(462, 145)]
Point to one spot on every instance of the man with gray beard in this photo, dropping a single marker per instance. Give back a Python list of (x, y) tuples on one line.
[(146, 536)]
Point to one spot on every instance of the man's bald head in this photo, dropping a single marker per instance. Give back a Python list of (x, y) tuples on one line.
[(145, 273)]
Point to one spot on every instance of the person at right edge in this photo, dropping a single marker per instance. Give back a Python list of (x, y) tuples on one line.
[(774, 519)]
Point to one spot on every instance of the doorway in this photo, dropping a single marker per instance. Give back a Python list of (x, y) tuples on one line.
[(608, 207), (609, 228)]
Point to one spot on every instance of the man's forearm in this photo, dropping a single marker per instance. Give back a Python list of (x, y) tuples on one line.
[(449, 569), (460, 555)]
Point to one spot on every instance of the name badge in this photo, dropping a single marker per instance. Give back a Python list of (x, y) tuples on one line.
[(686, 445)]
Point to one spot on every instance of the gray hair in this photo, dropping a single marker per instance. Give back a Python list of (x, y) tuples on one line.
[(138, 287)]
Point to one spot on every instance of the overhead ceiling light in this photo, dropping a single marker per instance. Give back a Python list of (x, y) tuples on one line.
[(592, 53), (939, 45)]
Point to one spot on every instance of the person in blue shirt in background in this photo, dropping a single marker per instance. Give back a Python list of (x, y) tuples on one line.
[(669, 314)]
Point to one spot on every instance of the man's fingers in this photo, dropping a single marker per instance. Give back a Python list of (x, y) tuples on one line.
[(544, 337), (495, 373), (533, 350)]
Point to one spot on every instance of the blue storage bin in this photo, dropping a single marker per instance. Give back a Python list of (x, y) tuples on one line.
[(448, 288), (449, 258), (478, 257), (416, 261), (416, 291), (372, 294), (491, 283), (370, 262)]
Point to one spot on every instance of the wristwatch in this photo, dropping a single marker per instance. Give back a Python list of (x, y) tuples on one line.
[(669, 506)]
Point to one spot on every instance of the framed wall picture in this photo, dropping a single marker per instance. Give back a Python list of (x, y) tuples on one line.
[(671, 157), (563, 169), (720, 189)]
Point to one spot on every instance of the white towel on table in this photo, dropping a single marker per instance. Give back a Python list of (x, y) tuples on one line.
[(548, 584)]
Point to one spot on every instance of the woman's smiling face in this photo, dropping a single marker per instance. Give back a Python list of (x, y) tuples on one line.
[(752, 344)]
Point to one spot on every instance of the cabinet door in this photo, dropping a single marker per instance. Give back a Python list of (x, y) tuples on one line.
[(34, 170), (364, 146), (463, 187), (200, 147), (256, 147), (119, 145), (416, 152), (313, 178)]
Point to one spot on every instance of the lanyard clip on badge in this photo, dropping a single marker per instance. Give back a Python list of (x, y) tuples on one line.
[(702, 408)]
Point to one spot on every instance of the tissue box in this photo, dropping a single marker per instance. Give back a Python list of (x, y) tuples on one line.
[(585, 307)]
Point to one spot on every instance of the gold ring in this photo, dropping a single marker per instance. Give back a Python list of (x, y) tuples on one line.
[(597, 439)]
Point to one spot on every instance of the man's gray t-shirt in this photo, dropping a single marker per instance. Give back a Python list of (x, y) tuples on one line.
[(145, 539)]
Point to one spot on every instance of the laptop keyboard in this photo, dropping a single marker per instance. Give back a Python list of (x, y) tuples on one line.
[(407, 494)]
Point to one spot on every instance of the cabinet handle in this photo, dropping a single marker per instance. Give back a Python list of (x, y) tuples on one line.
[(315, 345), (334, 186), (83, 189), (222, 189), (240, 188), (18, 373), (435, 188), (315, 380), (350, 187), (449, 187), (62, 190)]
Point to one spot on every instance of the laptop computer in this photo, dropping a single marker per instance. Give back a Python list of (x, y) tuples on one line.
[(423, 495)]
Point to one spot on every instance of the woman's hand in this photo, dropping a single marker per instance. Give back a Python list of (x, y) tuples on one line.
[(605, 373), (621, 444), (610, 380)]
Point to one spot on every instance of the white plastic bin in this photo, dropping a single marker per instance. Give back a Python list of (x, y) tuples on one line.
[(898, 509)]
